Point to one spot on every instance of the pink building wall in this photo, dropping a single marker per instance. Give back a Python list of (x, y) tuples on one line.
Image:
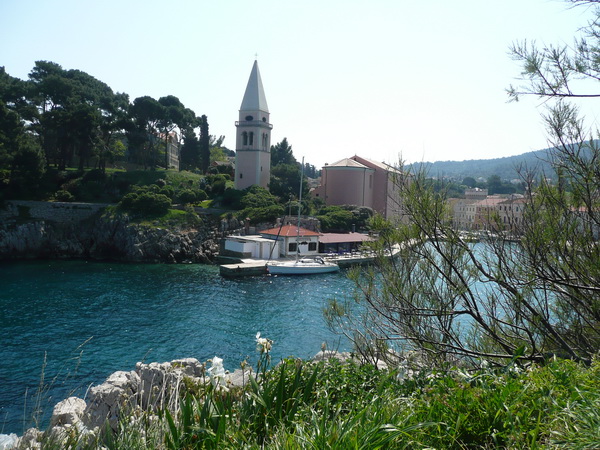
[(346, 185)]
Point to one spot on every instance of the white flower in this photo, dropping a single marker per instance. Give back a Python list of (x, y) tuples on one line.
[(217, 372), (263, 345)]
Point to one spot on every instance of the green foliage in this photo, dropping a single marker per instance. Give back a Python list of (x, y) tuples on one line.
[(232, 198), (281, 153), (300, 404), (191, 196), (268, 214), (256, 197), (145, 203), (259, 205), (285, 181), (63, 196), (344, 218)]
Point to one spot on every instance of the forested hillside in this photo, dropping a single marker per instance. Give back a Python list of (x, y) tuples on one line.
[(506, 168)]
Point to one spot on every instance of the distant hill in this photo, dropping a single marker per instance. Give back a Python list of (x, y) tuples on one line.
[(506, 168)]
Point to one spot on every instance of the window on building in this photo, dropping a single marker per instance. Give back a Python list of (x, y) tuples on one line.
[(245, 138), (312, 246), (241, 175), (292, 247), (251, 138)]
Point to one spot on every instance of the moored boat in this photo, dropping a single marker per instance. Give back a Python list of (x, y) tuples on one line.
[(303, 266)]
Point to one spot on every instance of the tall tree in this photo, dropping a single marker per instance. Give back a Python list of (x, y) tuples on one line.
[(176, 117), (190, 151), (70, 107), (147, 114), (281, 153), (204, 144)]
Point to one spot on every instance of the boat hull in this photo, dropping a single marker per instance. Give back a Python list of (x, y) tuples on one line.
[(301, 268)]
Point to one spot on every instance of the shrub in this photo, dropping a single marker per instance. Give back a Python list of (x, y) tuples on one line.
[(145, 203), (232, 198), (187, 196), (336, 219), (262, 214), (218, 187), (168, 191), (63, 196)]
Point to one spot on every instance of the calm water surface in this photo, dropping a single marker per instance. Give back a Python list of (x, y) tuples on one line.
[(77, 322)]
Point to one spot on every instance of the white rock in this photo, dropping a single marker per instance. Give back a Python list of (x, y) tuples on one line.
[(8, 441), (68, 412)]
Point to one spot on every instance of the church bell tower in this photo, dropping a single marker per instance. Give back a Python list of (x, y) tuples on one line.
[(253, 136)]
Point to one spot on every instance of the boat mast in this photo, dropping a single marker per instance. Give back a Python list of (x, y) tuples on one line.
[(299, 207)]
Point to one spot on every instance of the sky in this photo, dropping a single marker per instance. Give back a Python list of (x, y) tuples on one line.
[(417, 80)]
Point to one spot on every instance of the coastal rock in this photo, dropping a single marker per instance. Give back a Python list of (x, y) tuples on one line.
[(107, 400), (161, 383), (8, 441), (68, 412), (325, 355), (101, 237), (31, 439)]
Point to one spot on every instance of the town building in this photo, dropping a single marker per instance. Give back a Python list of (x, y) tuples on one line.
[(479, 211), (253, 136), (361, 182), (294, 240), (464, 209)]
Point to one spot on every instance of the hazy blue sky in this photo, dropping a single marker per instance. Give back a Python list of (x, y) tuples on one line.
[(424, 79)]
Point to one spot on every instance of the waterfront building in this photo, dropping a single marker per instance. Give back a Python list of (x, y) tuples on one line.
[(479, 211), (464, 209), (253, 136), (362, 182), (294, 240)]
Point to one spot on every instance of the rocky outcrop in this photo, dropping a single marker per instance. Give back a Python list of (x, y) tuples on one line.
[(150, 387), (107, 238)]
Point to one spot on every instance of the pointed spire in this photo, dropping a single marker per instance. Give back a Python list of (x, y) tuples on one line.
[(254, 98)]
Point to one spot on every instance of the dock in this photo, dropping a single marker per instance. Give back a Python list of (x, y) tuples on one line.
[(244, 268)]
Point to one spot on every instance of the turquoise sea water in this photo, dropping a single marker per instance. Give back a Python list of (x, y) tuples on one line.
[(76, 322)]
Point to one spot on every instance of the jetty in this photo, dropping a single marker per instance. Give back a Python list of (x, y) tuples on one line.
[(244, 268)]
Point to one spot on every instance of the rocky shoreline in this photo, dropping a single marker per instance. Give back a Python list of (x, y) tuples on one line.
[(149, 388), (103, 237)]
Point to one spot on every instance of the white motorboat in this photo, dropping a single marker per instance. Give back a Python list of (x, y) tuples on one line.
[(304, 266)]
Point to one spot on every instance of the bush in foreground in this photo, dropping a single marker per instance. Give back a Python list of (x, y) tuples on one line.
[(331, 404)]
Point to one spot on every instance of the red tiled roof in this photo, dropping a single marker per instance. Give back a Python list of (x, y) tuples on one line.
[(289, 230)]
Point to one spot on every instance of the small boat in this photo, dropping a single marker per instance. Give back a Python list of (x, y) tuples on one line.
[(304, 266)]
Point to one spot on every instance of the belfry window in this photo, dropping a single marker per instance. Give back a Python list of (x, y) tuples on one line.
[(251, 138), (245, 138)]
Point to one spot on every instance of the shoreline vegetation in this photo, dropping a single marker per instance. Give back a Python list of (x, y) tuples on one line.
[(334, 400)]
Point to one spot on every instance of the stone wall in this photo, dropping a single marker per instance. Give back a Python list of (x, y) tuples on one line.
[(60, 212)]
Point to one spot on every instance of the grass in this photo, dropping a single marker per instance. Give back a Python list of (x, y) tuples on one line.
[(333, 405)]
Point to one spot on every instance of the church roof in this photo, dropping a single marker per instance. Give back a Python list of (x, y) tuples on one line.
[(347, 162), (375, 164), (254, 98)]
